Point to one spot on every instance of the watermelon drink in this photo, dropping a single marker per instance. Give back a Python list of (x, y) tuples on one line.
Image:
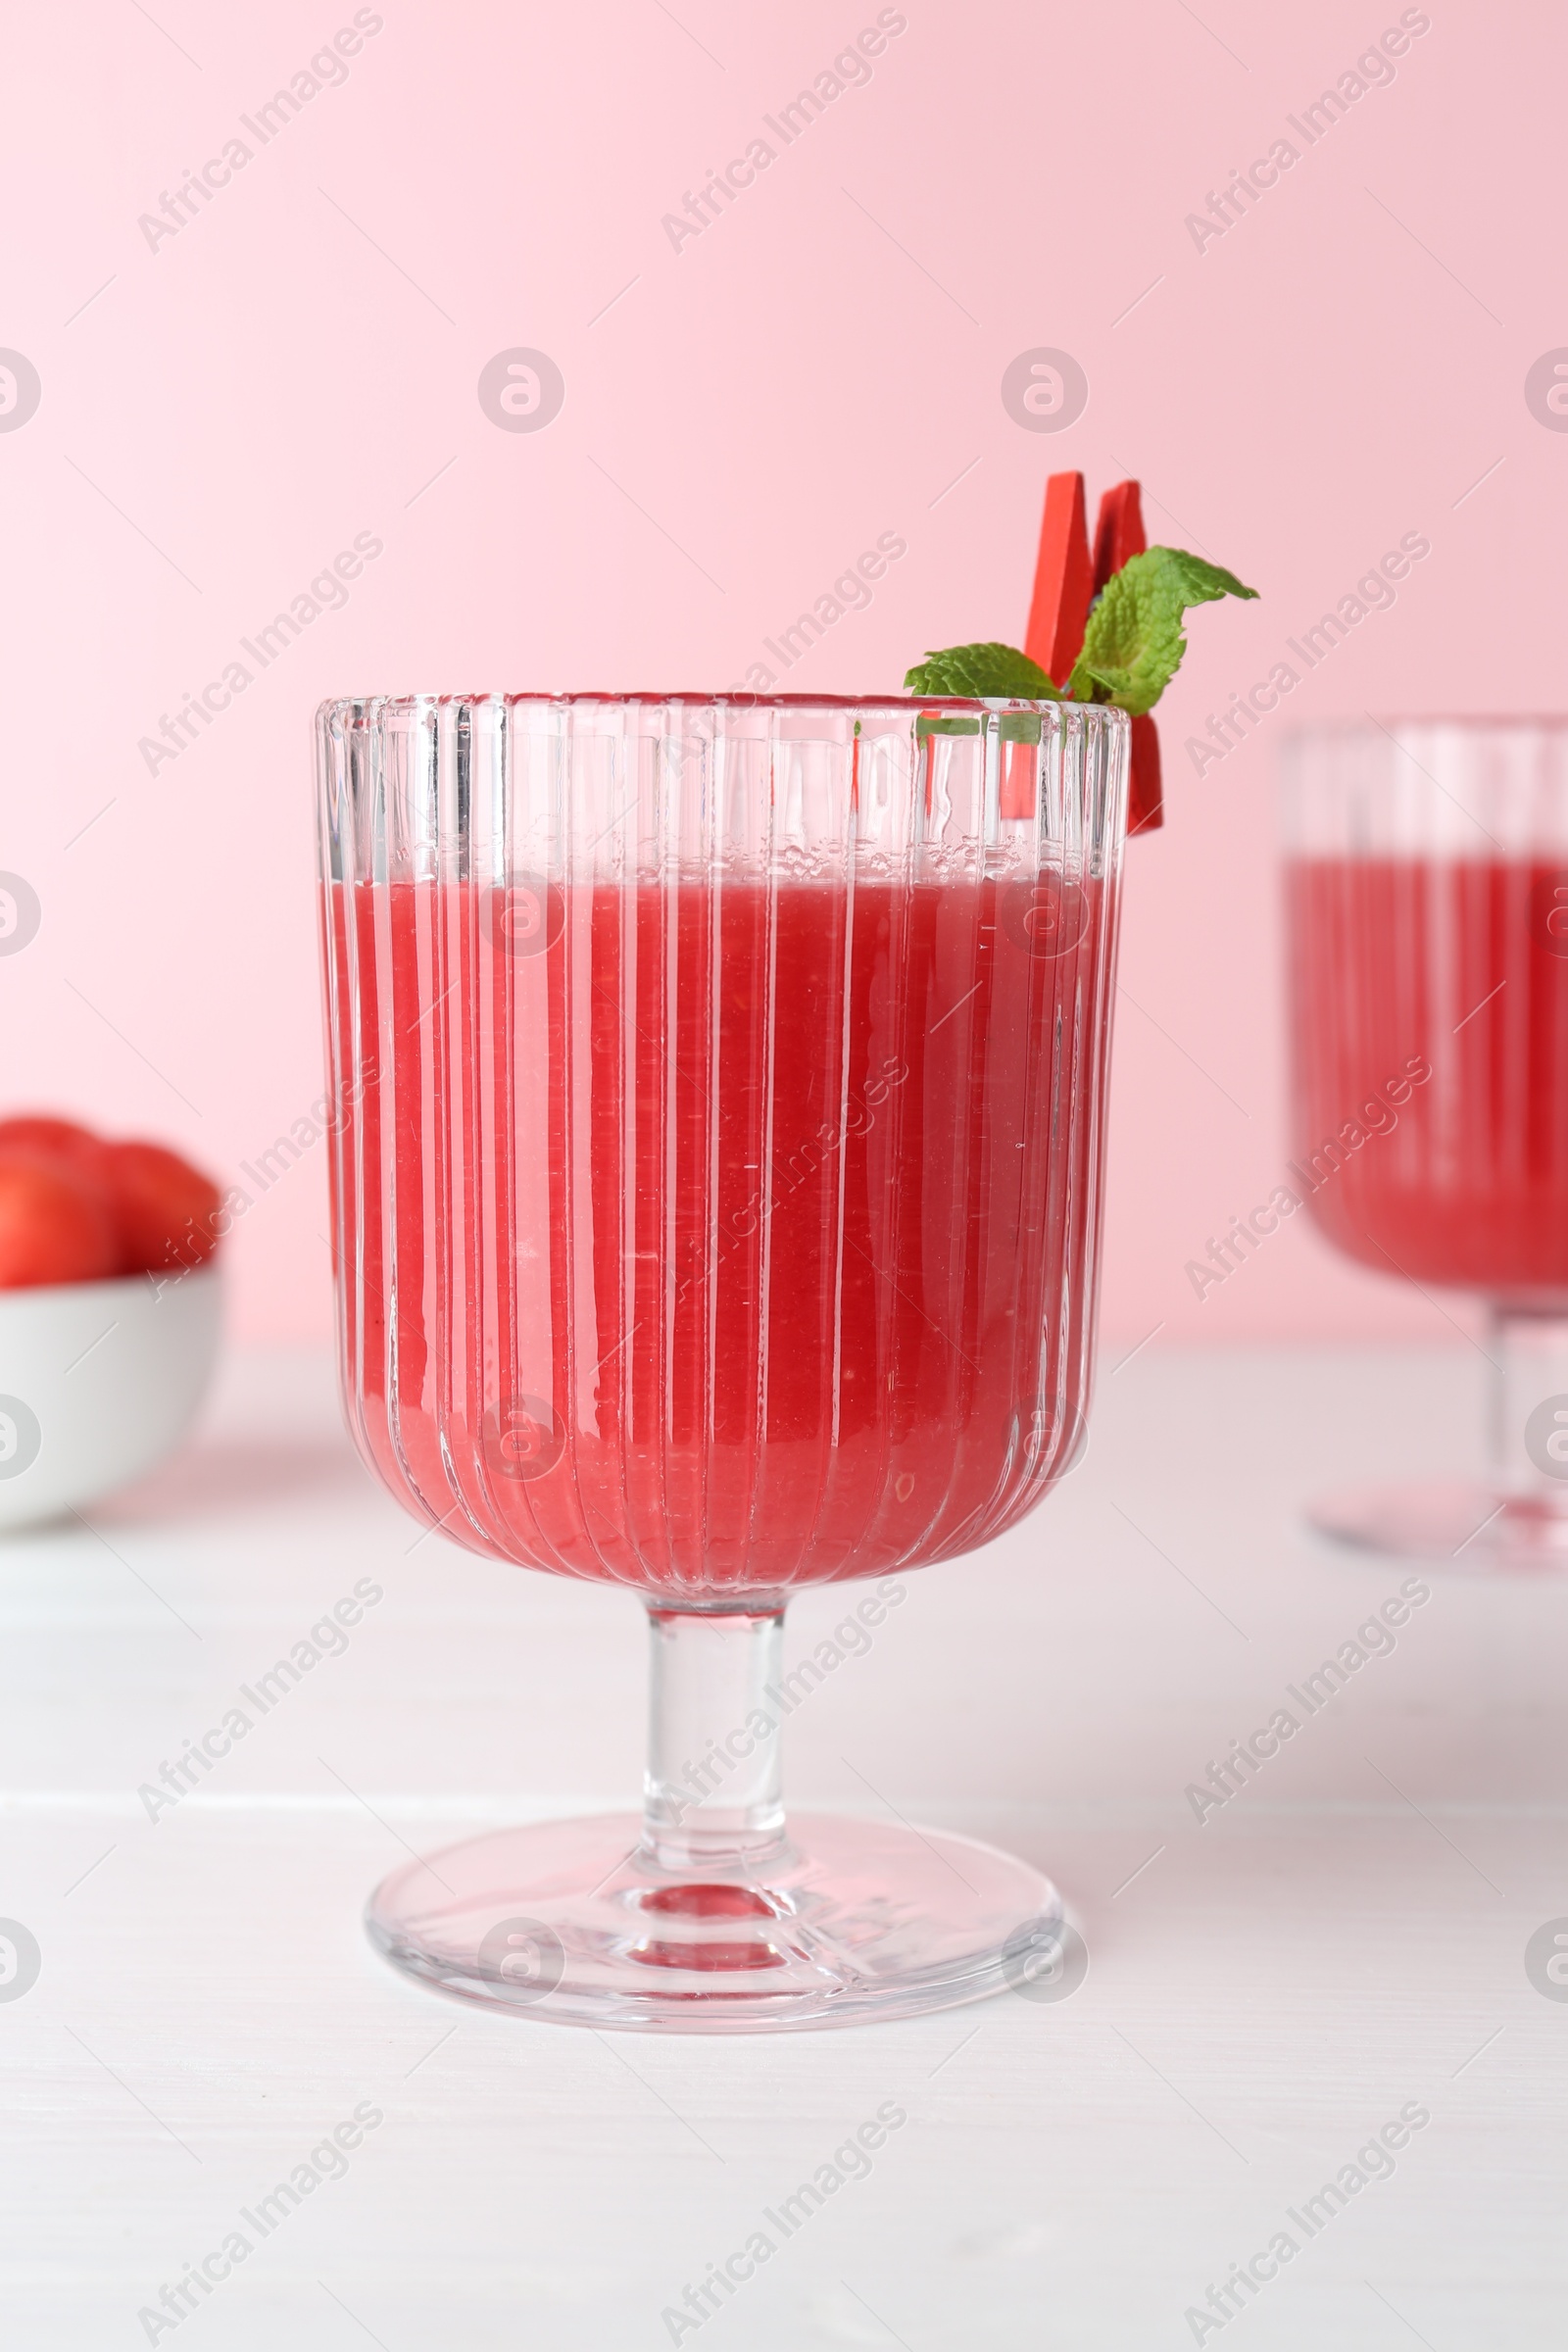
[(1427, 908), (1453, 970), (748, 1255), (717, 1177)]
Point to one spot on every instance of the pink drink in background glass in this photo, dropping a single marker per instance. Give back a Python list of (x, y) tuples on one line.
[(1459, 964), (1427, 905)]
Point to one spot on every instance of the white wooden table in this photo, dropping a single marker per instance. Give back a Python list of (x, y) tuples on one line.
[(1266, 1990)]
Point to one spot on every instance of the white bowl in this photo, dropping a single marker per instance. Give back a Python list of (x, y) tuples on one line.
[(98, 1379)]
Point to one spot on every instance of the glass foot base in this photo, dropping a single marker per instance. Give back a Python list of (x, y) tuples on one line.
[(852, 1921), (1459, 1525)]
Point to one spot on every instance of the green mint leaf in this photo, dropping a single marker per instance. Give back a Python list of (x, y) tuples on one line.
[(1133, 642), (982, 671), (1204, 581)]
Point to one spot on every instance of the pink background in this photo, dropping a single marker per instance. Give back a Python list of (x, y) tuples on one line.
[(299, 363)]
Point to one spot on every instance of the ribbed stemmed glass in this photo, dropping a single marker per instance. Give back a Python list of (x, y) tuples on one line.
[(720, 1092), (1427, 866)]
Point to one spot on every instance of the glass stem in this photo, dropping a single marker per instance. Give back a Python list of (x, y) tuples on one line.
[(712, 1792), (1529, 1405)]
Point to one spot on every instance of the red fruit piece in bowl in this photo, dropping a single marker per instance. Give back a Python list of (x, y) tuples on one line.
[(167, 1210), (56, 1223), (37, 1134)]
